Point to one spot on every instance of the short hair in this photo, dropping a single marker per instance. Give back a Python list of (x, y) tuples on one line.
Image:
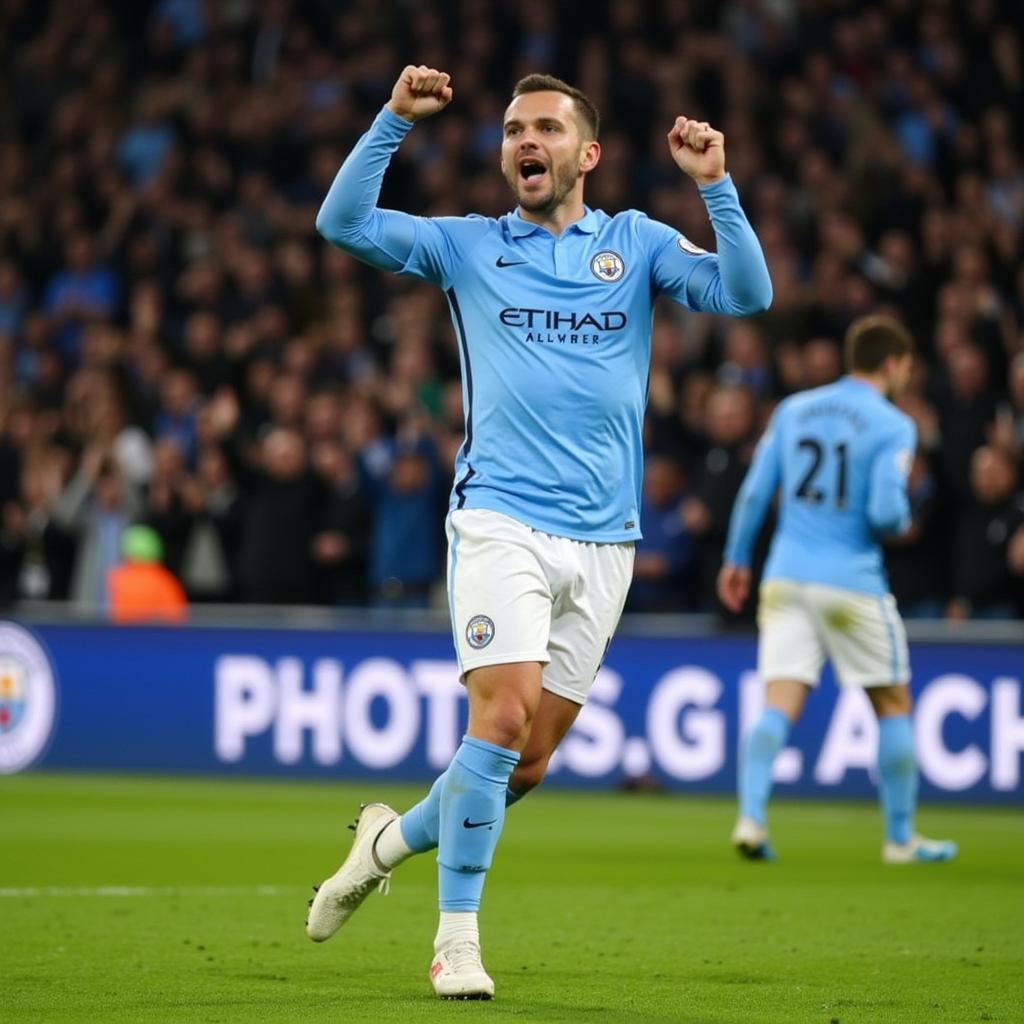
[(586, 113), (870, 340)]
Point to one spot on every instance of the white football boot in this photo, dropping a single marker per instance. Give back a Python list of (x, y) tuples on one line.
[(341, 895), (751, 840), (919, 851), (458, 973)]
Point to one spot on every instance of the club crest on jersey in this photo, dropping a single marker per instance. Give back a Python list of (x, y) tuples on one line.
[(687, 246), (607, 266), (479, 632)]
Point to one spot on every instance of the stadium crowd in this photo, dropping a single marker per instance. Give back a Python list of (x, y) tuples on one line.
[(178, 348)]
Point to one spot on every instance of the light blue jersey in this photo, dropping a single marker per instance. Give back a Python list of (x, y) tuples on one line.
[(839, 457), (553, 332)]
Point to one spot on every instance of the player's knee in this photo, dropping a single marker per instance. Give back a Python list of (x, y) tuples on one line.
[(507, 724)]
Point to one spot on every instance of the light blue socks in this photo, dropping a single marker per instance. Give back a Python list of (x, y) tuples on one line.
[(763, 742), (421, 825), (472, 813), (897, 777), (462, 815)]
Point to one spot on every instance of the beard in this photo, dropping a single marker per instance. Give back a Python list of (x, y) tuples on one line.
[(562, 182)]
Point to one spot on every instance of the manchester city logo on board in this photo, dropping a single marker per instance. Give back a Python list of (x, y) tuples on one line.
[(479, 632), (607, 266), (28, 698), (687, 246)]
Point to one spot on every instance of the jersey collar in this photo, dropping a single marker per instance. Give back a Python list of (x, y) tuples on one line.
[(520, 228)]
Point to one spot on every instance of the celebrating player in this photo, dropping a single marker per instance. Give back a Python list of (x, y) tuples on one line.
[(552, 307), (839, 457)]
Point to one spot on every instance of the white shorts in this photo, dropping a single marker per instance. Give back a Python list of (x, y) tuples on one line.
[(803, 623), (517, 594)]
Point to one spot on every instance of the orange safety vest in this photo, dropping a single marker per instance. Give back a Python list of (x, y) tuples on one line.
[(145, 592)]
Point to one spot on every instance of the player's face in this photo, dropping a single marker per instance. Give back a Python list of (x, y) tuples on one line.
[(542, 154)]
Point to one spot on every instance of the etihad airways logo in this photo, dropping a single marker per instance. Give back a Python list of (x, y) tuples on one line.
[(554, 326)]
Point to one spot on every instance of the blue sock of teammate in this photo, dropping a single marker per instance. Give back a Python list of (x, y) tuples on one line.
[(763, 742), (472, 813), (897, 775)]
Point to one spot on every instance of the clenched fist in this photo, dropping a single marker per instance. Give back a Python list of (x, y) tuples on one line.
[(420, 92), (698, 150)]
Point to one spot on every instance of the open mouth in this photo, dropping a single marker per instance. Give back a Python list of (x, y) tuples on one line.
[(531, 170)]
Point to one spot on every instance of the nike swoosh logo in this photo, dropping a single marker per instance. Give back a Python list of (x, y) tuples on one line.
[(466, 823), (499, 262)]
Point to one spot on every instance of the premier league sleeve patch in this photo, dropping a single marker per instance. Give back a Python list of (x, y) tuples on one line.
[(479, 632), (685, 245)]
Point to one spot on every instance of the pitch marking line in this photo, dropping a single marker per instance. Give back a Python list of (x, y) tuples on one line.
[(148, 890)]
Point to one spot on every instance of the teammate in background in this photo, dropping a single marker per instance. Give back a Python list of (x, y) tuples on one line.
[(552, 307), (839, 456)]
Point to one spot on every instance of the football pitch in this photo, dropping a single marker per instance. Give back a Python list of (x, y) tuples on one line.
[(159, 899)]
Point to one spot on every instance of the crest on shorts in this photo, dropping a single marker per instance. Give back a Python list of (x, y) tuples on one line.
[(607, 266), (687, 246), (479, 632)]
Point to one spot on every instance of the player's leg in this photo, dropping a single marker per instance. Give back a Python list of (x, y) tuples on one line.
[(503, 700), (789, 658), (554, 718), (897, 781), (783, 704), (417, 830), (868, 647), (500, 604), (592, 582)]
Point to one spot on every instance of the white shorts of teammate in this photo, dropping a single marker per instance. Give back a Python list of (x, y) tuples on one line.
[(518, 594), (801, 624)]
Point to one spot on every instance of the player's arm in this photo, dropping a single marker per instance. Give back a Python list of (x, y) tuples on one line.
[(748, 512), (388, 239), (888, 502), (736, 280)]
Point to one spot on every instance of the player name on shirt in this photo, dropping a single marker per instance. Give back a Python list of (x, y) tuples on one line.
[(832, 408)]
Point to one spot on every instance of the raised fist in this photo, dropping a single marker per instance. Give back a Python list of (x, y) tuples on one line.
[(698, 150), (420, 92)]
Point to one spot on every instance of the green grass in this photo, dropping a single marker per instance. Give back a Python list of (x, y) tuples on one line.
[(614, 908)]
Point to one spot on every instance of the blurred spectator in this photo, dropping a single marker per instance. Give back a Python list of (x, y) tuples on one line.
[(275, 564), (176, 420), (80, 293), (405, 547), (663, 569), (822, 361), (213, 502), (730, 436), (984, 585), (140, 588), (966, 406), (36, 556), (166, 510), (14, 299), (340, 544), (915, 575), (96, 506)]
